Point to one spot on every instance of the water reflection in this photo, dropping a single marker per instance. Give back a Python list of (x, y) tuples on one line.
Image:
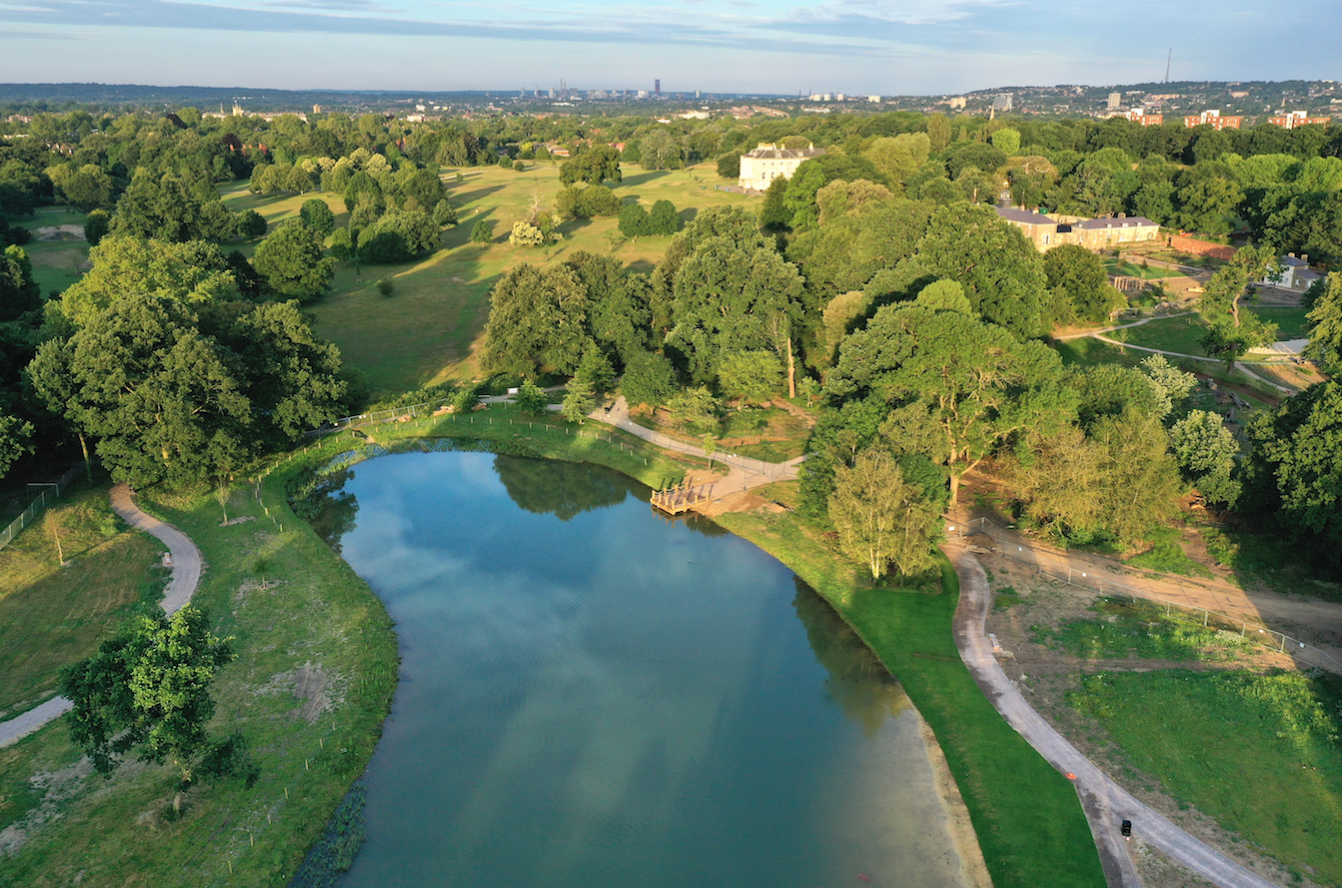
[(329, 508), (858, 681), (563, 489)]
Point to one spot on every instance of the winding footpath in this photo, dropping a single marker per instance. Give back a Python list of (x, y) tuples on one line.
[(186, 567), (1106, 803)]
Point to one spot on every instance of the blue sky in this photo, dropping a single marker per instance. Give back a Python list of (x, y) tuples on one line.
[(853, 46)]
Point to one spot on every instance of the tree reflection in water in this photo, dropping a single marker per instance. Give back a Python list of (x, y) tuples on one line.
[(858, 681)]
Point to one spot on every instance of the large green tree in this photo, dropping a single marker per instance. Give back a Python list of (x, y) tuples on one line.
[(537, 320), (1325, 325), (593, 166), (293, 264), (19, 293), (1077, 278), (147, 689), (881, 519)]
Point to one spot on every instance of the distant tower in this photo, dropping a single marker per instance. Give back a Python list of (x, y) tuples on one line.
[(657, 87)]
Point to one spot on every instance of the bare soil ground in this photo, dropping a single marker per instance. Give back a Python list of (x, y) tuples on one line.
[(1047, 675)]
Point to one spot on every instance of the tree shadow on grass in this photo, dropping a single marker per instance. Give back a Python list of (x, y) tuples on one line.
[(462, 198), (642, 178)]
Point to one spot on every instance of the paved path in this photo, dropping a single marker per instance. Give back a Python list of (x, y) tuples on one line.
[(1105, 802), (186, 567), (744, 473), (1239, 365)]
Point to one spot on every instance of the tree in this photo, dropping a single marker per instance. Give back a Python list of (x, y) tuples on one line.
[(399, 236), (19, 293), (526, 235), (938, 132), (148, 688), (1007, 140), (649, 379), (663, 219), (774, 214), (949, 385), (318, 216), (1294, 478), (751, 376), (537, 319), (482, 233), (531, 398), (579, 400), (1325, 324), (1078, 279), (881, 519), (292, 263), (658, 150), (696, 410), (595, 370), (899, 156), (1170, 384), (593, 166), (96, 226), (15, 441), (729, 298), (844, 198), (1205, 451), (443, 214), (729, 166)]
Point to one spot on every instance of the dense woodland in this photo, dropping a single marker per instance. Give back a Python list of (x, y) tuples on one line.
[(876, 286)]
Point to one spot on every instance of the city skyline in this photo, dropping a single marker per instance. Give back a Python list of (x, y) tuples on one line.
[(852, 46)]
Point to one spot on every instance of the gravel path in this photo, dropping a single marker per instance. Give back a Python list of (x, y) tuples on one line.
[(1105, 802), (186, 567)]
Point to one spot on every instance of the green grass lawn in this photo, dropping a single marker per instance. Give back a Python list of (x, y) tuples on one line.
[(1029, 822), (1265, 763), (51, 615), (1178, 334), (1135, 269), (297, 612), (1142, 629), (1290, 320), (424, 333)]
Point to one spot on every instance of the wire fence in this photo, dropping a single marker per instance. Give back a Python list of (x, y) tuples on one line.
[(51, 492), (1053, 564)]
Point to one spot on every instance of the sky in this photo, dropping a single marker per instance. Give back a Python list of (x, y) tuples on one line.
[(860, 47)]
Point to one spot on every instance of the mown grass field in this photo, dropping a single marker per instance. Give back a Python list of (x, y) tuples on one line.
[(56, 263), (1265, 764), (1029, 822), (1128, 268), (312, 682), (424, 333), (52, 615)]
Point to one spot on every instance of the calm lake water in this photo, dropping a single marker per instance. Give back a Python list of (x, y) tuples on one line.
[(591, 696)]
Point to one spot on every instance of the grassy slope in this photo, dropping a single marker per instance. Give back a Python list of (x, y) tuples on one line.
[(1029, 822), (424, 333), (314, 611), (1266, 763), (51, 615)]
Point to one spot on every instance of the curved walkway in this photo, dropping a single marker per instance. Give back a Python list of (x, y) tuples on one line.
[(186, 568), (1105, 802), (744, 474)]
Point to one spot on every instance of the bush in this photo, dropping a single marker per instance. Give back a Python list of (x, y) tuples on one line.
[(634, 221), (318, 215), (386, 286)]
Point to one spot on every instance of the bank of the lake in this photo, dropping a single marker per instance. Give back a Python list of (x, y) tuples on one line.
[(1027, 817)]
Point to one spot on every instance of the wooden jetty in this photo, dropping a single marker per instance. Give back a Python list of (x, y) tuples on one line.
[(678, 498)]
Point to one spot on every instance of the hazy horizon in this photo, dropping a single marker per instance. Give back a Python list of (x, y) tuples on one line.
[(904, 47)]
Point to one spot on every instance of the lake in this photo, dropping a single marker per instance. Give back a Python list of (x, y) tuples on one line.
[(592, 695)]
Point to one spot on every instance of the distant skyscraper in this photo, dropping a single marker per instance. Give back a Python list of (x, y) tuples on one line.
[(657, 87), (1115, 99)]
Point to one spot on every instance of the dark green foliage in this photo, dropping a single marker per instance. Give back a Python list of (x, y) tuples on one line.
[(19, 293), (386, 286), (443, 214), (291, 262), (147, 688), (593, 166), (318, 216), (335, 851), (634, 221), (649, 379), (96, 226), (482, 233), (537, 319), (531, 398), (774, 213), (251, 225), (729, 166), (1293, 480), (815, 174), (584, 203), (167, 208), (170, 394), (399, 236), (663, 219), (1078, 280)]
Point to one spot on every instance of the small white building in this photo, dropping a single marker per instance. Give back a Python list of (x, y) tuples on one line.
[(1291, 273), (768, 162)]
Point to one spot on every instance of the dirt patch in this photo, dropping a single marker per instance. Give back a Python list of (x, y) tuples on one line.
[(243, 520), (51, 233), (1046, 676), (56, 787), (316, 689)]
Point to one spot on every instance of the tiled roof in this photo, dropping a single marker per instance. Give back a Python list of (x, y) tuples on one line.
[(1025, 217), (785, 153), (1115, 222)]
